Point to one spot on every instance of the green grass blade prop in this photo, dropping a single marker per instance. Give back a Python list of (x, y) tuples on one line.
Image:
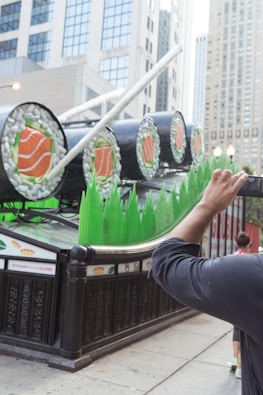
[(91, 216), (113, 219), (148, 226), (131, 223), (133, 218), (163, 217)]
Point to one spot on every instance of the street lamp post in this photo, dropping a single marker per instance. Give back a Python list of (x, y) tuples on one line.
[(230, 152), (14, 85), (217, 151)]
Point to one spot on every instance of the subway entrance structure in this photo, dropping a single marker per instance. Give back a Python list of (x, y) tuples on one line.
[(75, 248), (83, 206)]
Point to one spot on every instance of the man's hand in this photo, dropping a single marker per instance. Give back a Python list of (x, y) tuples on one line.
[(222, 189), (218, 195)]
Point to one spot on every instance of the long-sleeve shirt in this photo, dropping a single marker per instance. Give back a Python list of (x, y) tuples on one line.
[(229, 288)]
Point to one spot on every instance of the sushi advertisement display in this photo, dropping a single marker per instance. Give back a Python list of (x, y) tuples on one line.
[(33, 143)]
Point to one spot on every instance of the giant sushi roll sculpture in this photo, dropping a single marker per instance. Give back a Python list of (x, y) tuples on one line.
[(139, 144), (178, 137), (32, 143), (173, 139), (195, 143), (100, 157)]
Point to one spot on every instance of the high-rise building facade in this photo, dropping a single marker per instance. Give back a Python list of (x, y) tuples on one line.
[(117, 39), (200, 79), (234, 84)]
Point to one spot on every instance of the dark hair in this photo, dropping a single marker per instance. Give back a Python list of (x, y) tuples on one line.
[(242, 239)]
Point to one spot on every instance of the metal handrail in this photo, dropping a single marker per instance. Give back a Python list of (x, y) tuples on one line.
[(128, 250)]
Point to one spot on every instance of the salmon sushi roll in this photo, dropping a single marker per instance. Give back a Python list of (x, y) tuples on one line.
[(32, 143), (102, 157), (178, 138)]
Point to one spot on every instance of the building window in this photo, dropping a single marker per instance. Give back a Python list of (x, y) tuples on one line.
[(147, 66), (42, 11), (8, 49), (246, 133), (10, 15), (77, 28), (39, 46), (174, 94), (151, 4), (147, 44), (116, 31), (213, 135), (115, 70), (148, 22), (148, 91)]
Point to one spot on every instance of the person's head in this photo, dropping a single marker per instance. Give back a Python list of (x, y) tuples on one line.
[(243, 241)]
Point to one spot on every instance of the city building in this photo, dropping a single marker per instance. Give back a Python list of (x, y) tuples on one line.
[(67, 52), (234, 81), (200, 79)]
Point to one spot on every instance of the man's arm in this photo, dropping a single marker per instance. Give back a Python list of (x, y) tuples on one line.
[(219, 193), (207, 284)]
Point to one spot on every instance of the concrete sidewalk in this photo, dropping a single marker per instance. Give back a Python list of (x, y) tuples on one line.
[(189, 358)]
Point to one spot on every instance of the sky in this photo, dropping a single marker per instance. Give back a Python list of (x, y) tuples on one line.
[(200, 16)]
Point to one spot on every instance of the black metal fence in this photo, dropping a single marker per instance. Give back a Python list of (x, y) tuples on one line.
[(73, 308), (111, 305)]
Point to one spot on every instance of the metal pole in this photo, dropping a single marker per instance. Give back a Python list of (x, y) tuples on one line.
[(116, 94), (14, 85), (6, 86), (138, 87)]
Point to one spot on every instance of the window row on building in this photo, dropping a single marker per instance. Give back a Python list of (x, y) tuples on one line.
[(42, 11), (238, 133)]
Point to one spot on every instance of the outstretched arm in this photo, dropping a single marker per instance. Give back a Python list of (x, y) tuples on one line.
[(207, 284), (219, 193)]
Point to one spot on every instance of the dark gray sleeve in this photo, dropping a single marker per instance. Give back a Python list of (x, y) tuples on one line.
[(228, 288)]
